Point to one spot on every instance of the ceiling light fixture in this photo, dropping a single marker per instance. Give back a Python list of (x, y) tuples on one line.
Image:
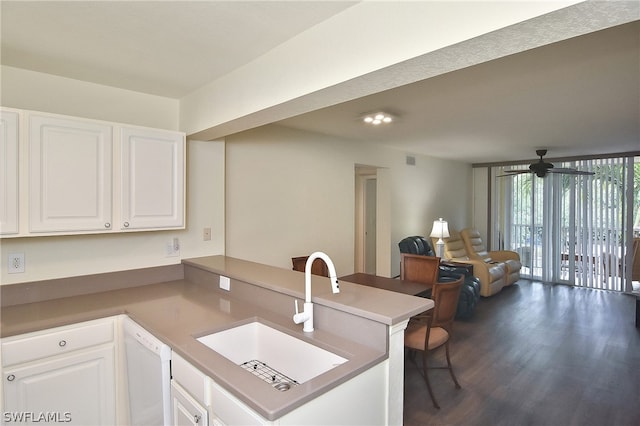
[(378, 118)]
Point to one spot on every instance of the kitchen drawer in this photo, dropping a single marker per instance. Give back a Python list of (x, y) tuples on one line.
[(189, 377), (231, 411), (56, 341)]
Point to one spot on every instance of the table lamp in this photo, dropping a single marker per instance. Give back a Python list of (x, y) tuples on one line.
[(440, 230)]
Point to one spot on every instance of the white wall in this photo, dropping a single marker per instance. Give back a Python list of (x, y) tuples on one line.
[(481, 201), (290, 193), (432, 189), (63, 256), (37, 91), (287, 192)]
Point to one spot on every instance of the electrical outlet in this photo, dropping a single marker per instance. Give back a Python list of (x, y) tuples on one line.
[(225, 283), (16, 263), (173, 248), (206, 234)]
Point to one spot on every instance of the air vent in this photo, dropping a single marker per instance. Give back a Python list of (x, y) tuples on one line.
[(411, 160)]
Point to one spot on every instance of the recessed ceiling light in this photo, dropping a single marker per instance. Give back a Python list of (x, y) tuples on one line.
[(378, 118)]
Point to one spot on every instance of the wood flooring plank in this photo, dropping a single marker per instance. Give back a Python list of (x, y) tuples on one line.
[(537, 354)]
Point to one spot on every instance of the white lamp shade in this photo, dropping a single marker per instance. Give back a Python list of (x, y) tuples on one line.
[(440, 229)]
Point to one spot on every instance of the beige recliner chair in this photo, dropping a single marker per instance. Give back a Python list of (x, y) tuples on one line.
[(492, 276), (477, 250)]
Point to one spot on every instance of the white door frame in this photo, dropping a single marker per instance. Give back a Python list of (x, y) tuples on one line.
[(363, 175)]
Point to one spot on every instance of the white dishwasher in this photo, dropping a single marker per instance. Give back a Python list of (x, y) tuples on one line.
[(148, 376)]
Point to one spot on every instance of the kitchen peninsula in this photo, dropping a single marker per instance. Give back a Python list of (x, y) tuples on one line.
[(180, 303)]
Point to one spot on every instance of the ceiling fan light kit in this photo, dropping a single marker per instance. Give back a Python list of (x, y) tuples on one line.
[(541, 168)]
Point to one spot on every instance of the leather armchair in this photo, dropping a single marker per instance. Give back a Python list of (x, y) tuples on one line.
[(477, 250), (470, 293), (492, 276)]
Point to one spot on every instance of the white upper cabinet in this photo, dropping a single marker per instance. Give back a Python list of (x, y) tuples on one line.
[(70, 163), (152, 178), (9, 138), (82, 176)]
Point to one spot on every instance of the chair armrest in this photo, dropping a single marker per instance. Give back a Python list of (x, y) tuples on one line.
[(480, 269), (502, 255), (474, 262), (451, 269)]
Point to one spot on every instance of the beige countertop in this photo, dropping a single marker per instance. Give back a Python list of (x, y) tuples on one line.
[(378, 305), (179, 311)]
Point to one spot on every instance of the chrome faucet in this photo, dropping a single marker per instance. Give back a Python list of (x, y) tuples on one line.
[(306, 315)]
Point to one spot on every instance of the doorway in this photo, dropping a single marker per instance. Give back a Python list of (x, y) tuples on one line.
[(366, 219)]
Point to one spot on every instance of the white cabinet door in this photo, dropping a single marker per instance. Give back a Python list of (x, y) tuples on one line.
[(186, 410), (152, 178), (9, 133), (77, 389), (70, 174), (74, 185)]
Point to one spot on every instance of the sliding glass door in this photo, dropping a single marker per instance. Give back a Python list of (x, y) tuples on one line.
[(574, 229)]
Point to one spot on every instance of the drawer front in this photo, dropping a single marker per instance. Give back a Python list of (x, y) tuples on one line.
[(231, 411), (55, 341), (189, 377)]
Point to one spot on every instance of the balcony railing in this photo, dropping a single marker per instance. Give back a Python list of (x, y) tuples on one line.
[(594, 260)]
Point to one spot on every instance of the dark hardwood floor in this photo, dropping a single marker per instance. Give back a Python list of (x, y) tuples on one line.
[(536, 354)]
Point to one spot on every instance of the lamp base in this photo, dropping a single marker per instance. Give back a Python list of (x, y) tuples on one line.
[(440, 248)]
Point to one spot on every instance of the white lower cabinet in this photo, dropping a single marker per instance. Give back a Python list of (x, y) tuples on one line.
[(189, 393), (66, 374), (186, 411), (70, 375), (361, 400), (227, 410)]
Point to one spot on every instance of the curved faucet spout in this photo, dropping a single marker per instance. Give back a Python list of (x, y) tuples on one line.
[(335, 287), (306, 315)]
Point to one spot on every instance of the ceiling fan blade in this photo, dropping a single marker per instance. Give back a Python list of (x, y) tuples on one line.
[(567, 171), (541, 168), (517, 172), (514, 172)]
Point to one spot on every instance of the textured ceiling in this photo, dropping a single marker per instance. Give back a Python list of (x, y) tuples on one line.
[(580, 96)]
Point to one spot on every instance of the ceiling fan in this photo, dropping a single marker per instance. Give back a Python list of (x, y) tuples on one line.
[(541, 168)]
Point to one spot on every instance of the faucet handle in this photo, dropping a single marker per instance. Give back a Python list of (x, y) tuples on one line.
[(299, 317)]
